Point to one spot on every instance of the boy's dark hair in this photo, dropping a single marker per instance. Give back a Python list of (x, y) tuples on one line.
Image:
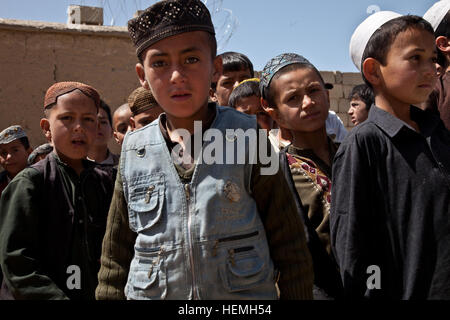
[(270, 95), (381, 41), (235, 61), (25, 142), (363, 92), (243, 90), (107, 109)]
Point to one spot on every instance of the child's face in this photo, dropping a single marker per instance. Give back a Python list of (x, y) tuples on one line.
[(144, 118), (248, 105), (226, 83), (72, 126), (252, 105), (121, 121), (179, 70), (104, 131), (358, 111), (13, 157), (301, 100), (410, 73)]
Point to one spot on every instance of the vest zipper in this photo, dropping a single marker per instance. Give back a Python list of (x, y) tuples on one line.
[(191, 254), (232, 238)]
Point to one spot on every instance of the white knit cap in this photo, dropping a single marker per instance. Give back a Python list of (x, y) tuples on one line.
[(364, 31), (437, 12)]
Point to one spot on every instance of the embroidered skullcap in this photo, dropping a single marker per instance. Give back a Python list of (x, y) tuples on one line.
[(437, 12), (168, 18), (364, 32), (141, 100), (278, 63), (60, 88), (45, 148), (11, 133)]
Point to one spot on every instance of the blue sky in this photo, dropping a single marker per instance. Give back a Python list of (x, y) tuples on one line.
[(318, 29)]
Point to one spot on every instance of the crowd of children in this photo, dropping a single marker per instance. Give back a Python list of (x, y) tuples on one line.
[(363, 214)]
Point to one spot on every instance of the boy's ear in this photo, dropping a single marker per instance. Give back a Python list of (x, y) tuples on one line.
[(273, 112), (45, 126), (141, 74), (218, 69), (371, 71), (132, 124), (443, 44), (29, 150), (212, 95), (116, 138)]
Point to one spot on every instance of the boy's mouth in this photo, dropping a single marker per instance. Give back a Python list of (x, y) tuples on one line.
[(78, 142), (181, 96), (311, 115)]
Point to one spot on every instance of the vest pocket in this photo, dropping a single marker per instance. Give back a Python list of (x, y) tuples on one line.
[(148, 278), (145, 202), (243, 270)]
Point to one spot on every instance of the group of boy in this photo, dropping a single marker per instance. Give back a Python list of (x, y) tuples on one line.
[(334, 212)]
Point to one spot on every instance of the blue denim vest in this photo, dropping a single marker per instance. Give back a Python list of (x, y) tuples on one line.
[(202, 240)]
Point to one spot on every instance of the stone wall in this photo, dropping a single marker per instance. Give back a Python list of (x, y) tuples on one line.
[(34, 55)]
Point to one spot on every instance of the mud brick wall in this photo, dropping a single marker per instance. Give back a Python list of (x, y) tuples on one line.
[(34, 55)]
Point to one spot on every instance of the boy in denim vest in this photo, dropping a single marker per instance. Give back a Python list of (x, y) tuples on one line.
[(196, 229)]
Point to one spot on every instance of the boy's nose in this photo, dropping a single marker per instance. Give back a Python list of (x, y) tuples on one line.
[(431, 70), (307, 101), (177, 75), (78, 126)]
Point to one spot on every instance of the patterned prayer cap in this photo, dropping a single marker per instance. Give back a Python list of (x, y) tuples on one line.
[(60, 88), (168, 18), (279, 62), (141, 100), (45, 148), (11, 133)]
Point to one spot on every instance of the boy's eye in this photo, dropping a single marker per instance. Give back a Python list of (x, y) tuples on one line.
[(158, 64), (191, 60), (293, 98), (66, 117)]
